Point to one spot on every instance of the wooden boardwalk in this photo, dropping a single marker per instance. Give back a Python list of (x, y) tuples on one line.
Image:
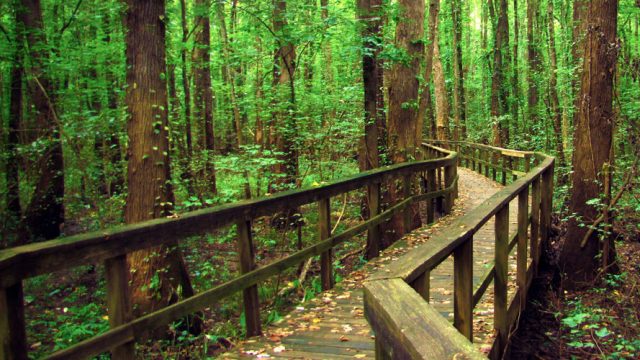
[(333, 325)]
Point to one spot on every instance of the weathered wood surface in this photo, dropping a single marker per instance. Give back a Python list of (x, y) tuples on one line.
[(321, 330), (50, 256)]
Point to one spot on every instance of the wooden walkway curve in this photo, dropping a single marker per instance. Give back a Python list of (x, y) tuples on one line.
[(333, 326)]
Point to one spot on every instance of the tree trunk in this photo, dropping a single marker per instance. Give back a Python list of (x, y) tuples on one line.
[(284, 124), (425, 107), (556, 114), (203, 99), (533, 58), (404, 98), (157, 273), (12, 175), (44, 216), (515, 86), (228, 76), (186, 89), (442, 98), (499, 106), (592, 141), (459, 103)]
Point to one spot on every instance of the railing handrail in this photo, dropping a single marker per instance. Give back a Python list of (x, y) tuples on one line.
[(413, 268), (26, 261), (112, 245)]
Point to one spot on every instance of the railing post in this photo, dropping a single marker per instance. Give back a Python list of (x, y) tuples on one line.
[(472, 153), (523, 215), (422, 285), (487, 161), (504, 169), (535, 222), (494, 165), (527, 163), (13, 338), (514, 167), (431, 186), (546, 205), (500, 320), (119, 301), (408, 212), (449, 178), (373, 233), (247, 264), (463, 288), (324, 232)]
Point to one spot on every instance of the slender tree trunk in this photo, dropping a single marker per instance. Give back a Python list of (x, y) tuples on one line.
[(459, 103), (186, 88), (328, 58), (425, 107), (285, 118), (533, 58), (592, 142), (157, 273), (442, 98), (259, 131), (515, 86), (44, 216), (203, 101), (12, 176), (228, 76), (556, 114), (369, 14)]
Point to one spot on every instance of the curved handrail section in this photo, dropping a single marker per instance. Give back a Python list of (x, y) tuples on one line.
[(424, 333), (439, 183)]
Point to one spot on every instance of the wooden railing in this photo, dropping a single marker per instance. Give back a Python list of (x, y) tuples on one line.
[(396, 299), (111, 247)]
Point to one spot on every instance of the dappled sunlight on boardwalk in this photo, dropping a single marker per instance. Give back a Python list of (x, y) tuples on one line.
[(333, 326)]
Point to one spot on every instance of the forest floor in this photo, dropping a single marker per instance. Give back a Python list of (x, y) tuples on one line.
[(601, 322)]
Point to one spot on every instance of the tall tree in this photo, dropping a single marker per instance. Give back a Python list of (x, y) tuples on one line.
[(403, 93), (425, 107), (156, 273), (186, 87), (459, 103), (44, 215), (499, 107), (554, 102), (441, 94), (533, 58), (592, 141), (203, 97), (283, 127), (12, 175), (372, 145)]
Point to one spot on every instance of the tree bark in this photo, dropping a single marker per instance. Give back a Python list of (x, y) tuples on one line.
[(186, 88), (12, 176), (592, 139), (425, 107), (499, 107), (459, 103), (441, 95), (533, 57), (404, 99), (284, 124), (203, 97), (157, 273), (44, 216), (556, 114)]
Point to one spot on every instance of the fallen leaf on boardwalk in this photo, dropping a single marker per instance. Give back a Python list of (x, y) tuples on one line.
[(278, 349), (347, 328), (314, 327), (344, 338), (360, 356), (263, 356)]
